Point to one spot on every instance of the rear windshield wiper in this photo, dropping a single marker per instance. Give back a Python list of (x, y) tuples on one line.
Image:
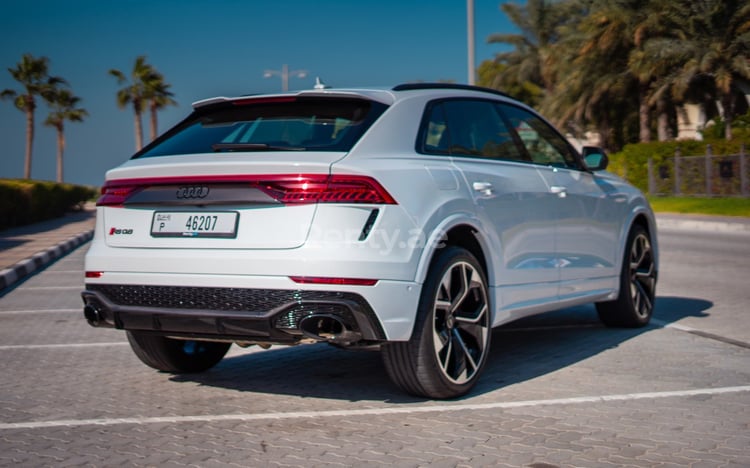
[(217, 147)]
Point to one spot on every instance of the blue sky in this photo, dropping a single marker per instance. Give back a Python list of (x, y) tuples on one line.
[(222, 47)]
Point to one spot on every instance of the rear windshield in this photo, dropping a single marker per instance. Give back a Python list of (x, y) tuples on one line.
[(274, 124)]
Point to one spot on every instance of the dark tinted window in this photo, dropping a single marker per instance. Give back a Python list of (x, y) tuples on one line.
[(468, 128), (543, 143), (284, 124), (435, 138)]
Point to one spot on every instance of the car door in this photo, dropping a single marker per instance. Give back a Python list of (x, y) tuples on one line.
[(588, 211), (511, 199)]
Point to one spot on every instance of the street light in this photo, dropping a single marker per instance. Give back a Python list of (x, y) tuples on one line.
[(470, 40), (284, 73)]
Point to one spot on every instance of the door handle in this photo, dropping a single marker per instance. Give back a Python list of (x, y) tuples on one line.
[(485, 188), (560, 191)]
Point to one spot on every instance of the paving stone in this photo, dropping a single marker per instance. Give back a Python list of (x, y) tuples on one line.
[(104, 380)]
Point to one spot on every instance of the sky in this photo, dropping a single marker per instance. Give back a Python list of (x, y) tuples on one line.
[(218, 48)]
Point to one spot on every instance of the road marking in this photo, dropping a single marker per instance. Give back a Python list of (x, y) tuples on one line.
[(369, 411), (701, 333), (39, 311), (64, 345)]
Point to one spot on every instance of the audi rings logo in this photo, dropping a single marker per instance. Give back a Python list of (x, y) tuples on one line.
[(192, 192)]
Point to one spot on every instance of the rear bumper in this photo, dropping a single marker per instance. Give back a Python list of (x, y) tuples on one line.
[(237, 314)]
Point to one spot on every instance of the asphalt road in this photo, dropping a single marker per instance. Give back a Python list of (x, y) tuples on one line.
[(559, 390)]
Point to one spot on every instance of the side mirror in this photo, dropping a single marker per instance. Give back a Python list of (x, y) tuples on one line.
[(595, 158)]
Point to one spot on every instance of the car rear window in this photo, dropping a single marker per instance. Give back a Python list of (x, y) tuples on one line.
[(272, 124)]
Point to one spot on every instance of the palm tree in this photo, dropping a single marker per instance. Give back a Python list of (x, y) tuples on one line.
[(593, 93), (135, 92), (609, 43), (64, 108), (158, 96), (709, 42), (611, 36), (33, 74), (533, 59), (491, 74), (591, 73)]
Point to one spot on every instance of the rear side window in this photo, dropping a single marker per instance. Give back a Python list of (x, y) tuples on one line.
[(469, 128), (276, 124)]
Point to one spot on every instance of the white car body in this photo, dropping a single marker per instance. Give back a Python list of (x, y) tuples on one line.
[(549, 237)]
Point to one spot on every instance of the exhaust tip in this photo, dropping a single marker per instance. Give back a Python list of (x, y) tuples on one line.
[(93, 315), (321, 327), (328, 328)]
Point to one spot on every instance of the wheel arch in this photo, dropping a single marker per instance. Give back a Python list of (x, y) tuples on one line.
[(459, 232), (645, 219)]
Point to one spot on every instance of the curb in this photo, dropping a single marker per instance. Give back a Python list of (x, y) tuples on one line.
[(24, 268), (739, 226)]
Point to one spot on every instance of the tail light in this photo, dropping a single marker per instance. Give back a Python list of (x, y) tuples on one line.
[(326, 189), (115, 194), (286, 189)]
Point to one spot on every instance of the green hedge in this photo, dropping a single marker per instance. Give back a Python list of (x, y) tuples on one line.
[(28, 201), (632, 162)]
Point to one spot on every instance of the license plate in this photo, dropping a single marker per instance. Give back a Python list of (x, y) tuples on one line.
[(190, 224)]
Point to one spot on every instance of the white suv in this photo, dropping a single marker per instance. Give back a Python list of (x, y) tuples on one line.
[(415, 218)]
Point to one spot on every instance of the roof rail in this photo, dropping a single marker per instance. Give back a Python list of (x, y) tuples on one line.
[(414, 86)]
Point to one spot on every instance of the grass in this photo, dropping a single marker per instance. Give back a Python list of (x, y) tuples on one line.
[(705, 206)]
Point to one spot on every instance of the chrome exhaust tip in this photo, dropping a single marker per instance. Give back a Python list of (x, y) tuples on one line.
[(329, 328)]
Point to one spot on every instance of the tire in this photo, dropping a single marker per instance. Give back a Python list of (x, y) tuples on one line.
[(451, 338), (176, 356), (635, 304)]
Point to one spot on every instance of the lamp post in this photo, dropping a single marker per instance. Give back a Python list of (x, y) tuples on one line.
[(470, 40), (284, 73)]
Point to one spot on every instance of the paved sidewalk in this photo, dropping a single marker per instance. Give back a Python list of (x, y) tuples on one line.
[(26, 249)]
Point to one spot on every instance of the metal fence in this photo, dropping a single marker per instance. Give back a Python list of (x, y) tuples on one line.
[(706, 175)]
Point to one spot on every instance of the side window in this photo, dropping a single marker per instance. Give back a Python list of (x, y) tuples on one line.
[(468, 128), (542, 142), (435, 133)]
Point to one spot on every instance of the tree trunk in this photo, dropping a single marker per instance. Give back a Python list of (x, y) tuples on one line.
[(152, 108), (727, 104), (29, 141), (138, 131), (663, 131), (644, 114), (605, 133), (60, 150)]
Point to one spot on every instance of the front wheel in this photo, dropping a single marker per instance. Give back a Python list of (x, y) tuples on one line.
[(451, 336), (635, 304), (176, 356)]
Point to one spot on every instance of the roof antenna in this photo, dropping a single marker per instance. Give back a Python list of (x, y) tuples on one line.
[(319, 84)]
